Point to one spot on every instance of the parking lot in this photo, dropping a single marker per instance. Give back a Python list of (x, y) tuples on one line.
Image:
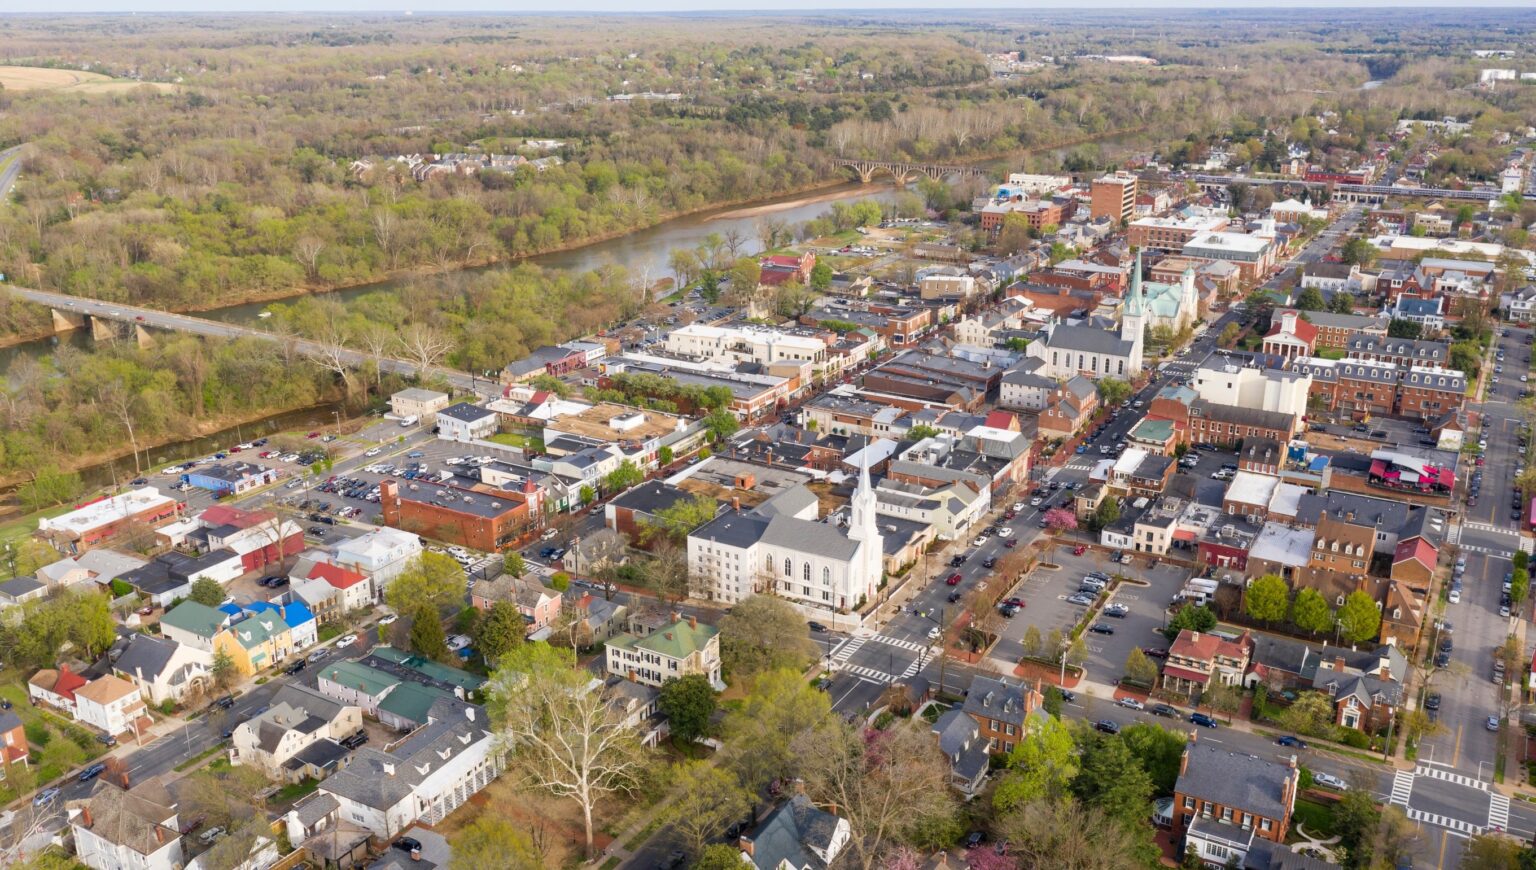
[(1146, 614)]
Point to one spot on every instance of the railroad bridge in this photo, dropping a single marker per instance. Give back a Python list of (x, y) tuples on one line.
[(905, 173)]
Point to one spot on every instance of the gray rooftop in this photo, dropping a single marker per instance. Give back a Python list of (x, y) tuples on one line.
[(1088, 339), (1244, 782)]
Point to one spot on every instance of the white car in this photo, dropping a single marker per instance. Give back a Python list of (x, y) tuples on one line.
[(346, 640), (389, 619), (372, 451), (549, 534), (933, 633), (1005, 532), (294, 484), (454, 460), (1328, 780), (1018, 507), (980, 539)]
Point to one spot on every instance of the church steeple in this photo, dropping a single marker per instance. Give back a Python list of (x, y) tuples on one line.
[(1133, 311)]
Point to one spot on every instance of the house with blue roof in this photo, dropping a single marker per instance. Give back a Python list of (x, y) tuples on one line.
[(303, 628)]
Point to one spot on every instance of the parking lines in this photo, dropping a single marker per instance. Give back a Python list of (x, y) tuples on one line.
[(1402, 787)]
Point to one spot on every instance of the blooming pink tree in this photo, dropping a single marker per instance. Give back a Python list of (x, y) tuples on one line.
[(1060, 520), (985, 857)]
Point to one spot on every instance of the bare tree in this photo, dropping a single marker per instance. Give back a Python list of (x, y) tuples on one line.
[(734, 238), (307, 251), (334, 355), (890, 783), (424, 346), (377, 340), (561, 738), (120, 403)]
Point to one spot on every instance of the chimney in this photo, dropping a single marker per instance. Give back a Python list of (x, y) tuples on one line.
[(676, 616), (667, 635), (389, 768), (632, 675), (160, 834), (1338, 664), (736, 503), (693, 622), (416, 854), (1184, 759), (469, 713), (85, 814), (746, 844)]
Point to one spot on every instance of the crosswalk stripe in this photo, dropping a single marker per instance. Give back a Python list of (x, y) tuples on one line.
[(1402, 787), (871, 673), (1490, 529), (1455, 826), (1449, 776), (847, 648), (1498, 812), (902, 644)]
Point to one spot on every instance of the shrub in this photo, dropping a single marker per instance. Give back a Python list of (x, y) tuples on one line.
[(1351, 737), (120, 588), (37, 733), (168, 707)]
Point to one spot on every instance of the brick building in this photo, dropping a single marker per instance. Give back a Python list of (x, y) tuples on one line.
[(486, 521), (1113, 196)]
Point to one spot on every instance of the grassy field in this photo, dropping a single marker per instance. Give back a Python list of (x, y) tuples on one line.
[(31, 78)]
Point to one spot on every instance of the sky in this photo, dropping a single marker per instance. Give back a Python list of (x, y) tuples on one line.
[(576, 6)]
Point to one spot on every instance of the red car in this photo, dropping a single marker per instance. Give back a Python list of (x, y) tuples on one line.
[(1008, 515), (313, 435), (1014, 602), (954, 580), (1011, 543), (1079, 550)]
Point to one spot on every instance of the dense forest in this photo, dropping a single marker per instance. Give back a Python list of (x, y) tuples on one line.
[(244, 181)]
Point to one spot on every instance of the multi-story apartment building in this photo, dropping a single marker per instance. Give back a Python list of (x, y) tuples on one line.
[(1170, 234), (1113, 196)]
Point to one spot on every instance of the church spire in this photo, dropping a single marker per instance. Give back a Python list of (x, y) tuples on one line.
[(1133, 299)]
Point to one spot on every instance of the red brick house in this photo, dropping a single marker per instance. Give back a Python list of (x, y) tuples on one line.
[(1196, 659), (1223, 801)]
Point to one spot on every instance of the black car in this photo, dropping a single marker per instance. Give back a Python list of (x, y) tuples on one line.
[(973, 839), (1293, 742), (957, 561), (355, 740), (817, 627), (1163, 710), (225, 702), (989, 562), (1202, 720), (297, 666), (1101, 628), (92, 772), (408, 844), (1442, 660), (1432, 701), (953, 597), (1107, 726), (1067, 695), (1445, 644)]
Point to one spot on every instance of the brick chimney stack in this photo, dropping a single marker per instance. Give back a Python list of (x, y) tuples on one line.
[(693, 622)]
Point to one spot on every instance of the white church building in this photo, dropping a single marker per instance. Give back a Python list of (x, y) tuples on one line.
[(782, 547), (1096, 352)]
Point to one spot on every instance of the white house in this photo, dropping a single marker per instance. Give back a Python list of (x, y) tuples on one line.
[(381, 554), (1024, 388), (127, 830), (1262, 389), (424, 777), (466, 422), (110, 704), (796, 836), (161, 668), (300, 729)]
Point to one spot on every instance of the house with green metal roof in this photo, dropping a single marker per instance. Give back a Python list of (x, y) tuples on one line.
[(420, 669), (356, 683), (1155, 434), (194, 624), (405, 707), (685, 647)]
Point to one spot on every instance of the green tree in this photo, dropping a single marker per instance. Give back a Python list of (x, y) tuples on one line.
[(586, 494), (1222, 698), (1267, 598), (49, 486), (764, 633), (1310, 714), (821, 276), (664, 455), (499, 630), (1342, 302), (1359, 251), (430, 580), (689, 704), (1195, 617), (1113, 391), (1111, 779), (707, 800), (550, 384), (1355, 817), (681, 517), (759, 733), (718, 856), (1519, 587), (427, 636), (223, 669), (1359, 620), (91, 626), (1032, 641), (1229, 334), (1159, 750), (626, 475), (721, 424), (1496, 850), (207, 592), (1041, 766), (1106, 513), (514, 564), (1310, 612), (1311, 299), (1140, 669), (492, 840), (560, 581), (921, 431), (1398, 328)]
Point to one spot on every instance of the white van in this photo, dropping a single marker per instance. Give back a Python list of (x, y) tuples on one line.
[(409, 421)]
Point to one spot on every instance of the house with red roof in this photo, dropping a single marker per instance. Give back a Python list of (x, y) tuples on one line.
[(329, 590), (56, 688), (1414, 560), (1198, 660), (13, 740), (1291, 336), (782, 268)]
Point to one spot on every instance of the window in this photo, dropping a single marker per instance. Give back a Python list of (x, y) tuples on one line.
[(806, 574), (1263, 824), (806, 591), (789, 569), (826, 576), (769, 567), (1189, 802)]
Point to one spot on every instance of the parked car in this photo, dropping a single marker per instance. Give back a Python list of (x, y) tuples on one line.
[(1130, 704), (1108, 726), (1293, 742), (355, 740), (1328, 780), (346, 641), (817, 627), (1202, 720), (953, 579), (210, 835), (1163, 710), (1102, 628), (953, 597), (1492, 724), (407, 844), (92, 772)]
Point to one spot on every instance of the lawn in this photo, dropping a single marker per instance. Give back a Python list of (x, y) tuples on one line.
[(1317, 817), (1330, 353), (517, 439), (293, 791)]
